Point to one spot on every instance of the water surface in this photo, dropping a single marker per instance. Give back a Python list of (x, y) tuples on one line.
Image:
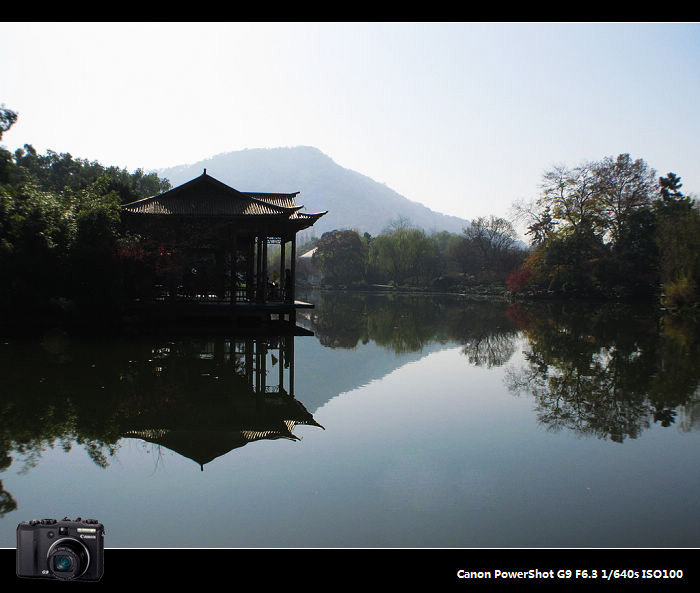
[(402, 422)]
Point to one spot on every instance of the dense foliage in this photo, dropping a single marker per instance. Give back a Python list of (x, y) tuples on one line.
[(612, 230), (486, 252), (60, 232)]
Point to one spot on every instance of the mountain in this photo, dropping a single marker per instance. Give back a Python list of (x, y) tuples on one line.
[(353, 200)]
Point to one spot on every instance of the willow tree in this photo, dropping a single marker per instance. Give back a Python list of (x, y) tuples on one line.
[(403, 254)]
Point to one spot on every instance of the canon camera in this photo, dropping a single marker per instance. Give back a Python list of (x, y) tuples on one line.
[(64, 550)]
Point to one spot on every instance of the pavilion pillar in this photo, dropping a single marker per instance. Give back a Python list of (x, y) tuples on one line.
[(249, 355), (280, 347), (263, 367), (220, 259), (258, 366), (258, 271), (293, 268), (264, 269), (283, 286), (289, 360), (250, 269), (234, 275)]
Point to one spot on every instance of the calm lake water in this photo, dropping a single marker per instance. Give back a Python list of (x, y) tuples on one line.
[(401, 422)]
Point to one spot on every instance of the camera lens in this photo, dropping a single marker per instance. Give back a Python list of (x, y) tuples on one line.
[(63, 563), (68, 559)]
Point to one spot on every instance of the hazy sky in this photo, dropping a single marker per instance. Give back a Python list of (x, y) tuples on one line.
[(461, 117)]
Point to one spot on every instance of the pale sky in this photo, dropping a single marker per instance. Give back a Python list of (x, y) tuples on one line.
[(462, 117)]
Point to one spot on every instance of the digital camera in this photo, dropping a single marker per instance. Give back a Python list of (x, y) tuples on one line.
[(64, 550)]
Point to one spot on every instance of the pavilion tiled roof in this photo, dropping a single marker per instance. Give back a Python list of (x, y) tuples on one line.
[(283, 200), (205, 196)]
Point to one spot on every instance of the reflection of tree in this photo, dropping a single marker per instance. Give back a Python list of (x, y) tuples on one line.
[(52, 399), (339, 322), (406, 323), (41, 413), (584, 399), (33, 421), (7, 502), (203, 395), (608, 373), (489, 350)]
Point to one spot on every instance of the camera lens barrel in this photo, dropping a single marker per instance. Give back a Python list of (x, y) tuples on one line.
[(68, 559)]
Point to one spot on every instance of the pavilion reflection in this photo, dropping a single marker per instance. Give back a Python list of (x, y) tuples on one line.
[(202, 398), (198, 393)]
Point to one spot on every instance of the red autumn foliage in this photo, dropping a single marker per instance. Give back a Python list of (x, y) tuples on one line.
[(519, 279)]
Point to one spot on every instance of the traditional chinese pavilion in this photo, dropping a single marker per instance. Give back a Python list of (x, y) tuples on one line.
[(213, 247)]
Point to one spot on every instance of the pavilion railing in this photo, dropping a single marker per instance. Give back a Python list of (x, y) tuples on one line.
[(243, 294)]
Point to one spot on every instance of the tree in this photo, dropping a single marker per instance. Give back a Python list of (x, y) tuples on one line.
[(621, 187), (60, 232), (678, 241), (494, 239), (567, 199), (671, 199), (632, 268), (7, 119), (403, 254), (669, 187), (542, 228), (538, 220), (341, 256), (570, 194), (593, 228), (57, 171), (597, 195), (446, 244), (572, 261), (493, 236)]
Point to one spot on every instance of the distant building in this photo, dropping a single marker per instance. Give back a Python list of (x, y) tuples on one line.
[(307, 269)]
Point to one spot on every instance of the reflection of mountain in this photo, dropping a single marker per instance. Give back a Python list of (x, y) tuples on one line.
[(328, 372), (364, 337), (200, 397), (608, 372)]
